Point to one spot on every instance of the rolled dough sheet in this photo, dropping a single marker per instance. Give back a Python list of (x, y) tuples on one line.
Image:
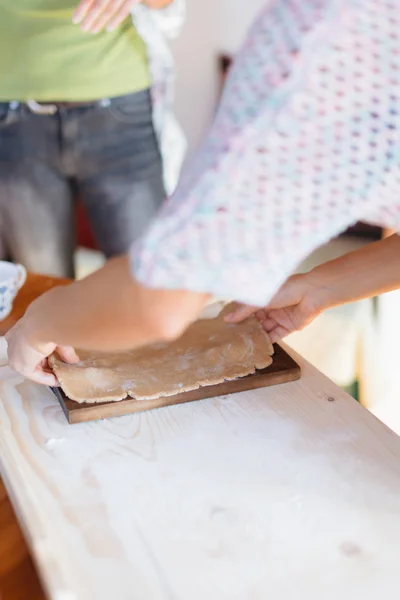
[(210, 352)]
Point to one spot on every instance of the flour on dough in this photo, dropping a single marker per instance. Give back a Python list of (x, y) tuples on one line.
[(209, 352)]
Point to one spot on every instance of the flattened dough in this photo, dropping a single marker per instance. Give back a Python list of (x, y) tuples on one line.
[(210, 352)]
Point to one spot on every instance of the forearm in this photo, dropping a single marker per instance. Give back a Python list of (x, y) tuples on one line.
[(370, 271), (110, 311)]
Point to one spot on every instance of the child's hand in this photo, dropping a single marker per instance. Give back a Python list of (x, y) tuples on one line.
[(296, 304), (29, 357)]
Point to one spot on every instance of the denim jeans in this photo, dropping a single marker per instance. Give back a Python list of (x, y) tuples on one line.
[(106, 153)]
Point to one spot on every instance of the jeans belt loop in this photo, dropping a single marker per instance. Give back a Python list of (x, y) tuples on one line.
[(41, 109)]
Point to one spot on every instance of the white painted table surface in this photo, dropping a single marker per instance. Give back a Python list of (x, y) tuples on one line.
[(275, 493)]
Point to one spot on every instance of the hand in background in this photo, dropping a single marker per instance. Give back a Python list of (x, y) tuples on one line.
[(296, 304), (95, 15)]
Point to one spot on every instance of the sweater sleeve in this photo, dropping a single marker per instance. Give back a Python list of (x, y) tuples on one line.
[(305, 143)]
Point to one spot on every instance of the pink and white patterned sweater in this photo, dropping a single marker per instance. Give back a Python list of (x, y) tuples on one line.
[(306, 142)]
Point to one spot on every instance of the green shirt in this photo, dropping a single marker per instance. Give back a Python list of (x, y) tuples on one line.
[(45, 57)]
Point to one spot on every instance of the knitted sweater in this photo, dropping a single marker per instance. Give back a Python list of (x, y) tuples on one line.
[(306, 142)]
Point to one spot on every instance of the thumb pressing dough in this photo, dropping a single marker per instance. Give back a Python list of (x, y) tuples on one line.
[(209, 352)]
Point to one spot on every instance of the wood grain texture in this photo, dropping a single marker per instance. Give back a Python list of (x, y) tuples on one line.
[(18, 579), (282, 370), (12, 547), (289, 492)]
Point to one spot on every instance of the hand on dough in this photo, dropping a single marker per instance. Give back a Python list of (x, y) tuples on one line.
[(29, 358), (295, 305)]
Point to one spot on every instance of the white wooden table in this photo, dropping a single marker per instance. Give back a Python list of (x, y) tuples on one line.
[(288, 493)]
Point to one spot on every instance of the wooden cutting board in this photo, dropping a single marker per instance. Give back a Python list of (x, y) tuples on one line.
[(282, 370)]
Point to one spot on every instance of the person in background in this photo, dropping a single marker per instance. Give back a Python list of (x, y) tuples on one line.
[(85, 98), (306, 142)]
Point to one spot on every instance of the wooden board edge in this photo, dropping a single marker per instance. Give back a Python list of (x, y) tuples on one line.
[(266, 378)]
